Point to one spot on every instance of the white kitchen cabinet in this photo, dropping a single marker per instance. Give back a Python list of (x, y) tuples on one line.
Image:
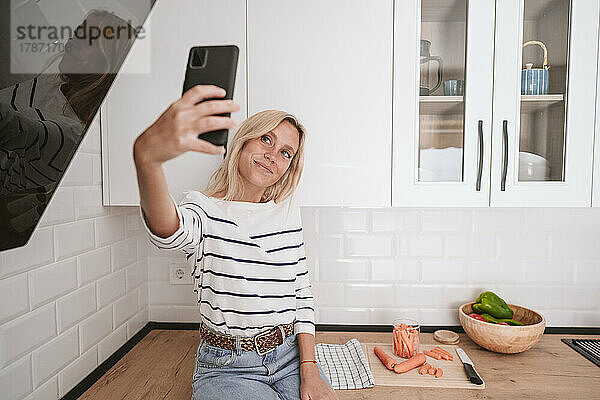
[(136, 99), (442, 138), (542, 146), (330, 64), (537, 149)]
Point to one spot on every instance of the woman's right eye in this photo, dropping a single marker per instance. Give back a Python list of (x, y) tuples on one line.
[(265, 136)]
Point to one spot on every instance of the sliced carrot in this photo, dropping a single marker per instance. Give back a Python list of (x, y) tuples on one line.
[(438, 348), (432, 371), (411, 363), (424, 368), (385, 358), (432, 355), (439, 373)]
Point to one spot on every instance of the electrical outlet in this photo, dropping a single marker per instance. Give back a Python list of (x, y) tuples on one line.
[(179, 274)]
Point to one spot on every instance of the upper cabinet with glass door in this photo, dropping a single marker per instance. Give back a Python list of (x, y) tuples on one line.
[(544, 96), (443, 67)]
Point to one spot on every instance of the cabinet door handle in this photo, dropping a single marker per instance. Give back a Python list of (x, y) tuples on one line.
[(480, 162), (504, 155)]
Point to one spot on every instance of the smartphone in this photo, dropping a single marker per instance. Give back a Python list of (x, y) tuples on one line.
[(213, 65)]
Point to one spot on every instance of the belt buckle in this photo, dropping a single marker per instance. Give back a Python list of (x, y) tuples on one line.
[(256, 343)]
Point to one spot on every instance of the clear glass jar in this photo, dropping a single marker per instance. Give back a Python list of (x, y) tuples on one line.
[(405, 337)]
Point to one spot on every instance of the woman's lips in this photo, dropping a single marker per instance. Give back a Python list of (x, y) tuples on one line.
[(263, 167)]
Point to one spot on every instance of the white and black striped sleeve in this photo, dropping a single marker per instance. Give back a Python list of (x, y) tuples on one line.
[(305, 309), (187, 236)]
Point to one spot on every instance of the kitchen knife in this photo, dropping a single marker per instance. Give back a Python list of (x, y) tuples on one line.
[(469, 368)]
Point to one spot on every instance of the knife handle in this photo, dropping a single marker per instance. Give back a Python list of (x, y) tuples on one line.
[(472, 374)]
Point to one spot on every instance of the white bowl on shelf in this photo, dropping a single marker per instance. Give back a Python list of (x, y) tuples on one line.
[(533, 167)]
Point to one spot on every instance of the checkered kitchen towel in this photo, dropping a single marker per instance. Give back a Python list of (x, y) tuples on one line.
[(345, 365)]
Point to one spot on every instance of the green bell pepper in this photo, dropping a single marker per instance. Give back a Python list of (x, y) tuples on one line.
[(493, 320), (492, 304)]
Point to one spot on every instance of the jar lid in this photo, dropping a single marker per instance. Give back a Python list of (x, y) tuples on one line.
[(446, 336)]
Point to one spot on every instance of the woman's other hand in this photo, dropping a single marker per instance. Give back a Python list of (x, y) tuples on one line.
[(313, 387), (176, 130)]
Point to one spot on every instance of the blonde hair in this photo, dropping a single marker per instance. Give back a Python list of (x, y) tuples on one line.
[(227, 178), (85, 92)]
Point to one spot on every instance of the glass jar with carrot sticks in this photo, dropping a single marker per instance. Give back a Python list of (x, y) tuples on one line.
[(405, 337)]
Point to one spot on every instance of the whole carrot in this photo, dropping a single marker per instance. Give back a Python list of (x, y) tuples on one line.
[(385, 358), (411, 363)]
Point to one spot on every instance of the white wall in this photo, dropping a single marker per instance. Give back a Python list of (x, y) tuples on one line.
[(76, 292), (369, 265)]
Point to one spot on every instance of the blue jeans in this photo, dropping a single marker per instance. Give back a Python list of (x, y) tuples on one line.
[(245, 375)]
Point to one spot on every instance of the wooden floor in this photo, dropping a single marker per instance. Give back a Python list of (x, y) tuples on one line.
[(161, 366)]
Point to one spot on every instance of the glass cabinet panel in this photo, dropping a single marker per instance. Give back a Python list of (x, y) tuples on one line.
[(441, 90), (543, 90)]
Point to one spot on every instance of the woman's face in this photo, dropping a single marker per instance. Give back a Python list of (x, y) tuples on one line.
[(266, 158), (81, 56)]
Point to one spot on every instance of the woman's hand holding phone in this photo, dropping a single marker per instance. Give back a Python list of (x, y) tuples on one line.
[(176, 130)]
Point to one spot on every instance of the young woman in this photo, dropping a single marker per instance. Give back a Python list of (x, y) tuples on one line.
[(243, 235)]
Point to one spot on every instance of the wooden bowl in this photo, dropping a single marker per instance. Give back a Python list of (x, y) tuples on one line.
[(502, 338)]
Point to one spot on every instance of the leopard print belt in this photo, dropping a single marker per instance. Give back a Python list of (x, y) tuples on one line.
[(263, 342)]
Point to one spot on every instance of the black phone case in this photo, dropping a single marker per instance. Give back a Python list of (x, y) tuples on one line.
[(213, 65)]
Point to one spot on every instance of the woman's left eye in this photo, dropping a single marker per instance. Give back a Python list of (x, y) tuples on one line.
[(287, 154), (265, 136)]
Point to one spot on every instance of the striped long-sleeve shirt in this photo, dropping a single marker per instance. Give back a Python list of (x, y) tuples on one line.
[(248, 263)]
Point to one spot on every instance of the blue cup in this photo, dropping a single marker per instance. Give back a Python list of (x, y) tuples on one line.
[(454, 87), (534, 81)]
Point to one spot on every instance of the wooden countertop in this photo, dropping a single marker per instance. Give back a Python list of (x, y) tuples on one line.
[(549, 370)]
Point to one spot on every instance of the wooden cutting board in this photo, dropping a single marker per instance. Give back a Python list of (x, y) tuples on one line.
[(454, 372)]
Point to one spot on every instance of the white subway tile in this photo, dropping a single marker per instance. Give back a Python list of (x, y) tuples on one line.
[(91, 141), (457, 295), (456, 245), (81, 170), (447, 220), (93, 265), (564, 219), (586, 318), (587, 272), (109, 229), (498, 220), (379, 245), (110, 344), (97, 170), (343, 270), (322, 246), (125, 308), (480, 245), (308, 216), (76, 306), (96, 327), (15, 380), (124, 253), (386, 316), (425, 246), (417, 296), (530, 245), (574, 298), (133, 222), (395, 220), (48, 391), (495, 271), (110, 288), (49, 359), (439, 317), (161, 313), (533, 297), (370, 295), (70, 376), (135, 275), (49, 282), (39, 250), (158, 269), (14, 297), (395, 270), (26, 333), (358, 316), (60, 209), (440, 271), (558, 317), (140, 320), (576, 246), (74, 238), (328, 294), (88, 202), (549, 271), (143, 245), (165, 293), (333, 220), (143, 296)]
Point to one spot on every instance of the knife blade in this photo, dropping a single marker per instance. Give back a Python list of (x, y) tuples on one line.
[(469, 368)]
